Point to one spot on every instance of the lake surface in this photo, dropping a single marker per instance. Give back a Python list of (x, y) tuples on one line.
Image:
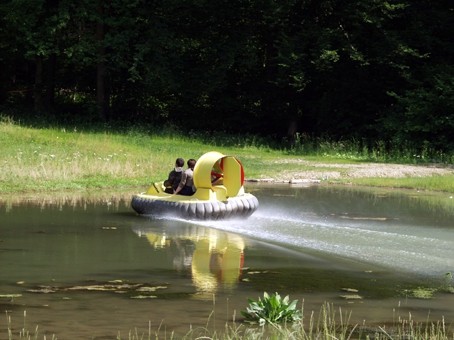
[(88, 267)]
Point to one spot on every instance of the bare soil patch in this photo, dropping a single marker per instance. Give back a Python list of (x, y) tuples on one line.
[(330, 171)]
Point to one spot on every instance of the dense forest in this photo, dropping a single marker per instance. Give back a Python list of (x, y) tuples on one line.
[(368, 70)]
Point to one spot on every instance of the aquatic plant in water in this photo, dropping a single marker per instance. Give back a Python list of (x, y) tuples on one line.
[(421, 292), (447, 286), (448, 283), (272, 309)]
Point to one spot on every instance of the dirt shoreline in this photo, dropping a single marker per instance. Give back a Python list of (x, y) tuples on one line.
[(345, 171)]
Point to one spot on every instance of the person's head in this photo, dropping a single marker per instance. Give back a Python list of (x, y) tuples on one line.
[(179, 162), (191, 163)]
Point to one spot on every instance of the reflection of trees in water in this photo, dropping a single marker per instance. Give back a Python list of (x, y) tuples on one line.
[(388, 202), (60, 200), (379, 201), (362, 201)]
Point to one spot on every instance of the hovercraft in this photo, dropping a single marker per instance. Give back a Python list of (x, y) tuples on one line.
[(222, 198)]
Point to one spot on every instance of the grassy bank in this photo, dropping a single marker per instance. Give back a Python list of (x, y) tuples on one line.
[(432, 183), (51, 159), (328, 323)]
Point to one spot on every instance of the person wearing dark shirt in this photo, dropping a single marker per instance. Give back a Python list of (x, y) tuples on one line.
[(174, 178)]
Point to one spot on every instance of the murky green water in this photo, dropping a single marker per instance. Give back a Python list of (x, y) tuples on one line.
[(88, 267)]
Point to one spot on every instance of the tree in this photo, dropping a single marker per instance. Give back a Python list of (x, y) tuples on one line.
[(368, 70), (424, 110), (34, 31)]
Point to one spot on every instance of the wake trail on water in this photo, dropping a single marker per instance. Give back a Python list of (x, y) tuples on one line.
[(386, 243)]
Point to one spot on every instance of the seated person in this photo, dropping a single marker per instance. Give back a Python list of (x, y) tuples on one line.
[(174, 178), (217, 175), (186, 186)]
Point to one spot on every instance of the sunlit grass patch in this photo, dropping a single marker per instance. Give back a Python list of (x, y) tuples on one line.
[(61, 158), (58, 159), (32, 158)]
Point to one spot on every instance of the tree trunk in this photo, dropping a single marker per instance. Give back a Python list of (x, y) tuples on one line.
[(38, 88), (101, 88), (101, 95), (50, 82)]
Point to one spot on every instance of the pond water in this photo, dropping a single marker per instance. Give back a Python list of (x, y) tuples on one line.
[(89, 267)]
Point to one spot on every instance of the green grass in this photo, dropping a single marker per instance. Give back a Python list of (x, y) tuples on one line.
[(56, 159), (380, 151), (434, 183), (50, 159), (328, 323)]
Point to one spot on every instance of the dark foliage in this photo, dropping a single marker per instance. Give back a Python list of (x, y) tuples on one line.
[(364, 70)]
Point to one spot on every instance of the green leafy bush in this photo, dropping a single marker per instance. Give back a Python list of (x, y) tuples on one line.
[(271, 309)]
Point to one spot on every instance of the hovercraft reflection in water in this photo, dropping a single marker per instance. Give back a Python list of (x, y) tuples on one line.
[(210, 201), (215, 259)]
